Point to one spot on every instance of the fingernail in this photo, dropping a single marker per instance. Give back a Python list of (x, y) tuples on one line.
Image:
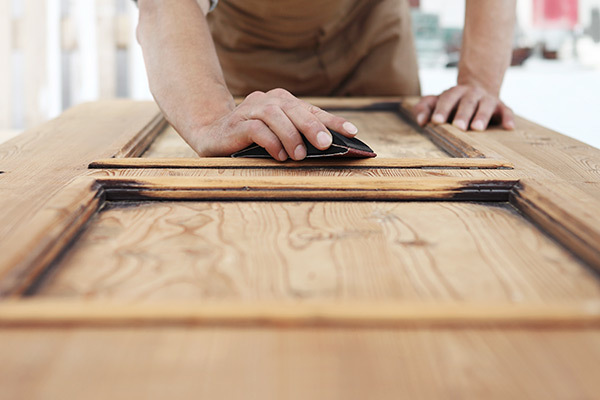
[(300, 152), (438, 118), (421, 119), (460, 124), (350, 128), (283, 155), (510, 125), (324, 139), (477, 126)]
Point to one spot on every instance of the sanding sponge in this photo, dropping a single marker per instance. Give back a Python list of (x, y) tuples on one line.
[(342, 146)]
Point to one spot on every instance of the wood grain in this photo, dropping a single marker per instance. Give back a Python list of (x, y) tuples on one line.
[(413, 251), (363, 314), (358, 264), (40, 162), (538, 152), (168, 144), (386, 132), (305, 188), (577, 227), (423, 173), (298, 364), (344, 163), (29, 249)]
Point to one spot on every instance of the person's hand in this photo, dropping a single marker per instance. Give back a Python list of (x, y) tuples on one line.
[(275, 120), (469, 107)]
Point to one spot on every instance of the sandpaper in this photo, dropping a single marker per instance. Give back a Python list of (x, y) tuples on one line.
[(342, 146)]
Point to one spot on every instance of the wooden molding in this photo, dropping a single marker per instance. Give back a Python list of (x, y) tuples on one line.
[(32, 247), (307, 188), (576, 227), (231, 163), (140, 142), (370, 315)]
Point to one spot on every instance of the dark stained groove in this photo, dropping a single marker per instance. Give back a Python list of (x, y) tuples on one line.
[(118, 189), (296, 195), (378, 106)]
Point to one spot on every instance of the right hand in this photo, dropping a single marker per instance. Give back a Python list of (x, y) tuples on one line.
[(275, 120)]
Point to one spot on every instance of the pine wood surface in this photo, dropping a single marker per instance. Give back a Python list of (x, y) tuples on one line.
[(254, 163), (317, 250), (41, 312), (131, 172), (43, 160), (538, 151), (298, 363), (306, 188), (385, 132), (540, 339)]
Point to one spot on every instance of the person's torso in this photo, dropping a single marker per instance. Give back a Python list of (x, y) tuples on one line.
[(280, 24), (316, 47)]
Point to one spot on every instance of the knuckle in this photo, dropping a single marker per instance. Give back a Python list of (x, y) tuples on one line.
[(255, 95), (255, 126), (291, 135), (279, 92), (270, 109), (484, 112), (272, 143), (289, 104), (476, 91), (312, 127), (420, 107), (314, 109), (469, 102)]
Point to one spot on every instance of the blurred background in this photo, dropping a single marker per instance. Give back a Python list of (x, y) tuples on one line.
[(58, 53)]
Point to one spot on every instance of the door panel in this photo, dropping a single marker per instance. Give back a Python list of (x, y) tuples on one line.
[(408, 251), (455, 264)]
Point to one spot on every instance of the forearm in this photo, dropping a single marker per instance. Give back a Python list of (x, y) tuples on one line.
[(487, 43), (183, 69)]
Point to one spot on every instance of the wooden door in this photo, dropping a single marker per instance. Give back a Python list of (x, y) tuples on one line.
[(460, 265)]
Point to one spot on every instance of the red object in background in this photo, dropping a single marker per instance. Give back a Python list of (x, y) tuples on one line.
[(561, 14), (415, 3)]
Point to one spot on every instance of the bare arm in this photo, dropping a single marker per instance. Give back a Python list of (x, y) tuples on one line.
[(485, 56), (188, 84)]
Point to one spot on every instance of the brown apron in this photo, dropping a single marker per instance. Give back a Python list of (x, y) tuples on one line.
[(316, 47)]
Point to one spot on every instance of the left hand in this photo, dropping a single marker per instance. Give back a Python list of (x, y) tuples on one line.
[(475, 108)]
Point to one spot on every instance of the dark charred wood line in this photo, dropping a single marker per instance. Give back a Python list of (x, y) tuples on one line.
[(376, 106), (306, 195)]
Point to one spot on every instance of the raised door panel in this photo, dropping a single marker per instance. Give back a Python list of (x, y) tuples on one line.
[(458, 264), (348, 251)]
